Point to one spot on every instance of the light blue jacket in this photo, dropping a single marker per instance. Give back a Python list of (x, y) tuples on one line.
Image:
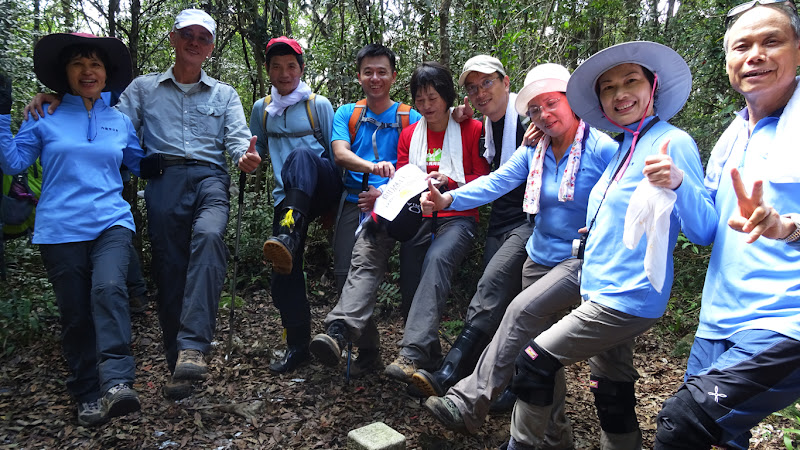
[(613, 275), (750, 286), (81, 154), (557, 223)]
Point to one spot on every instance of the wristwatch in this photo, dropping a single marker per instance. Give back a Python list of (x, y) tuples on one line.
[(796, 234)]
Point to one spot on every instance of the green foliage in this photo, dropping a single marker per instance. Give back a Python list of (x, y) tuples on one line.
[(28, 301), (690, 265), (791, 436)]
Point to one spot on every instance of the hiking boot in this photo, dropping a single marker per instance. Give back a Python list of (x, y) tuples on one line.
[(503, 403), (426, 383), (327, 348), (177, 389), (191, 365), (368, 361), (401, 369), (285, 247), (458, 363), (413, 391), (296, 356), (91, 414), (447, 413), (120, 400), (138, 304)]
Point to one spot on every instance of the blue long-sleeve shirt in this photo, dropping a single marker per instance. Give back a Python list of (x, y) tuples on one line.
[(81, 153), (613, 275), (751, 286), (558, 222)]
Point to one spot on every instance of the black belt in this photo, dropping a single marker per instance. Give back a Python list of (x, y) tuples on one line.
[(178, 161)]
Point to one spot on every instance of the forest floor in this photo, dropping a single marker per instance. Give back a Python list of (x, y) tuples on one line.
[(243, 405)]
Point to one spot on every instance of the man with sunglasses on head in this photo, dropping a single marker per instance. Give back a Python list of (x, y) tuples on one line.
[(187, 121), (744, 361), (487, 86)]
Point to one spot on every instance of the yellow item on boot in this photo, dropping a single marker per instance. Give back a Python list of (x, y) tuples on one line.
[(288, 219)]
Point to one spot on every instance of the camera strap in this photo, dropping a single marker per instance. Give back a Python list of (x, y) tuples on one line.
[(625, 161)]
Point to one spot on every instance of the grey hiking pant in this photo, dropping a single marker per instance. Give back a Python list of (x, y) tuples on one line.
[(603, 336), (187, 212), (437, 262), (88, 278), (548, 292), (501, 280), (367, 268)]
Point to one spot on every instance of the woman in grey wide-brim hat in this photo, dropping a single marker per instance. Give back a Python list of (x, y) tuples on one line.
[(633, 88), (83, 225)]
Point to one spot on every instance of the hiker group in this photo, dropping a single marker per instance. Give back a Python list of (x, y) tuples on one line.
[(578, 252)]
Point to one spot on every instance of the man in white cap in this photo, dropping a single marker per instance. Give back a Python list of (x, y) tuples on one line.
[(487, 85), (187, 121)]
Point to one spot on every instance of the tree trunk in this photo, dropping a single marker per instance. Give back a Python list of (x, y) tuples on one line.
[(444, 37)]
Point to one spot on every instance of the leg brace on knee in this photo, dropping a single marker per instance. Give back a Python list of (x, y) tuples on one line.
[(682, 424), (534, 375), (616, 404)]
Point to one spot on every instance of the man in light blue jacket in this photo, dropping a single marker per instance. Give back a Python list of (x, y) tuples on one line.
[(293, 126)]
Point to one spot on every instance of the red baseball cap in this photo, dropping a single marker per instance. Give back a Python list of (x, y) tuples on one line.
[(283, 40)]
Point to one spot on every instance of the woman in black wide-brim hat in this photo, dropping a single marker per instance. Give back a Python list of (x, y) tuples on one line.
[(83, 225)]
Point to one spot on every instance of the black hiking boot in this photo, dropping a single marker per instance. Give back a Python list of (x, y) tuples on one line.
[(286, 247), (459, 362)]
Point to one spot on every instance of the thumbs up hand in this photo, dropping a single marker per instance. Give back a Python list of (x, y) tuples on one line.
[(463, 112), (251, 159), (661, 170)]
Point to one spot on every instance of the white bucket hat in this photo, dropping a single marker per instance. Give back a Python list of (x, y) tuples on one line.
[(672, 91), (542, 78)]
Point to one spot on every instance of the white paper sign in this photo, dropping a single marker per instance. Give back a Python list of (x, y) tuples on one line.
[(408, 181)]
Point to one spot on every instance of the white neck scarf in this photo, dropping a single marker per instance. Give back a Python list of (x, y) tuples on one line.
[(509, 143), (452, 162), (280, 102), (566, 192)]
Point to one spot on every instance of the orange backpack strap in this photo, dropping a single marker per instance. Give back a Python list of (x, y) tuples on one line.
[(355, 119), (403, 116)]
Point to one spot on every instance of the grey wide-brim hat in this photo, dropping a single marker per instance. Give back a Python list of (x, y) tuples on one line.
[(46, 60), (672, 91)]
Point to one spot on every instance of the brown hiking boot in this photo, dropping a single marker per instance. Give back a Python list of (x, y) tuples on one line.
[(177, 389), (447, 413), (191, 365), (401, 369), (368, 361)]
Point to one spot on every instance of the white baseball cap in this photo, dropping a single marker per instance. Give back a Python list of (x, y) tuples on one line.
[(542, 78), (189, 17), (483, 64)]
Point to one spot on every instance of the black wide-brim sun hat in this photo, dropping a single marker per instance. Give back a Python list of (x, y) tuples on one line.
[(672, 91), (46, 60)]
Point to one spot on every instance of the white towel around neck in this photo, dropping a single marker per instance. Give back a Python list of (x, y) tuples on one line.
[(509, 143), (280, 102), (452, 163)]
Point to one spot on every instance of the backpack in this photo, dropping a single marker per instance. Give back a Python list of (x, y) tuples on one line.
[(358, 117), (20, 195), (311, 106)]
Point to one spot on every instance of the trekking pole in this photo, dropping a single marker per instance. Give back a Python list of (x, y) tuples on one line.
[(242, 181)]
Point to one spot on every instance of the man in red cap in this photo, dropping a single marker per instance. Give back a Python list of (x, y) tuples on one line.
[(293, 126)]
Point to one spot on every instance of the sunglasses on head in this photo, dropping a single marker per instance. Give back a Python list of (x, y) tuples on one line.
[(734, 12)]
